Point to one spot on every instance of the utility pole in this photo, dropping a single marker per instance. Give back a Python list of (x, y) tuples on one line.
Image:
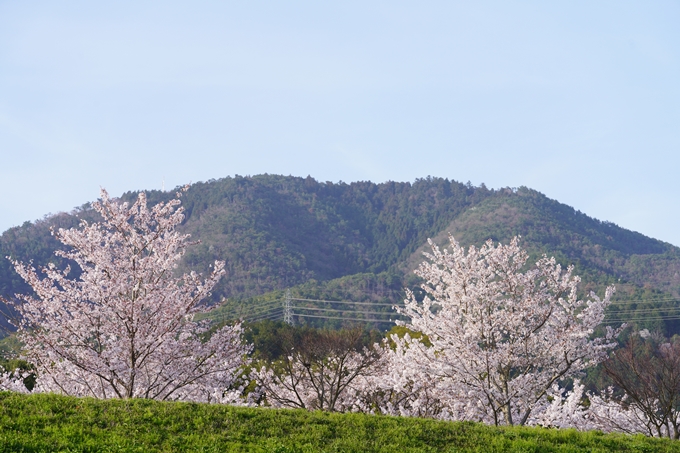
[(288, 309)]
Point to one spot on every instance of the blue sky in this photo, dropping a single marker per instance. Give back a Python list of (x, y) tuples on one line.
[(579, 100)]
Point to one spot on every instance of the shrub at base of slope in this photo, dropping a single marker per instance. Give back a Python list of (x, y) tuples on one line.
[(42, 423)]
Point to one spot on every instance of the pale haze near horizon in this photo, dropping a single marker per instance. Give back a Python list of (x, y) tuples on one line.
[(579, 100)]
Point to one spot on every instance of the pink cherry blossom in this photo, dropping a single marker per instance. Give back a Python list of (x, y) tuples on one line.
[(125, 327)]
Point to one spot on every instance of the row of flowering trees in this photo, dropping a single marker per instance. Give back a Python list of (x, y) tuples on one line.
[(494, 338)]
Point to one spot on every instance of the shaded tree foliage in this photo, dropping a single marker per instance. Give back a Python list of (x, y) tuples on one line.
[(317, 368), (647, 372)]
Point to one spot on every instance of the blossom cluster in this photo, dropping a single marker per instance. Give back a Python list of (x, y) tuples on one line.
[(125, 327)]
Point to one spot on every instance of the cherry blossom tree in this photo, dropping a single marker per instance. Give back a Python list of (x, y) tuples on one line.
[(125, 328), (399, 387), (502, 333), (14, 381)]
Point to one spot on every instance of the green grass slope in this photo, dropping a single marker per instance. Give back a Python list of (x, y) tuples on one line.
[(51, 423)]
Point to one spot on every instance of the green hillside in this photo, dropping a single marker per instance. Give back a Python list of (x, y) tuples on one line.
[(276, 231), (52, 423), (319, 239), (599, 250)]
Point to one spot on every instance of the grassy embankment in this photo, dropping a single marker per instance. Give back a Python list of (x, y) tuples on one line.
[(42, 423)]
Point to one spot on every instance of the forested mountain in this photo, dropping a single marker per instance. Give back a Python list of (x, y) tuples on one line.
[(277, 232), (601, 251)]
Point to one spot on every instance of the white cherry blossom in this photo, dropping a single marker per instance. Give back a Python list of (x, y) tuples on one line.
[(125, 328), (502, 334)]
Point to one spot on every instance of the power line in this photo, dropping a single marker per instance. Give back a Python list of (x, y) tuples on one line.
[(266, 307), (262, 312), (264, 318), (351, 311), (242, 315), (645, 301), (240, 310), (348, 302), (614, 302), (344, 318), (643, 311), (617, 321), (266, 304), (276, 314)]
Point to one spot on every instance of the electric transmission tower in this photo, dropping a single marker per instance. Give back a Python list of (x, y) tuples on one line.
[(287, 309)]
